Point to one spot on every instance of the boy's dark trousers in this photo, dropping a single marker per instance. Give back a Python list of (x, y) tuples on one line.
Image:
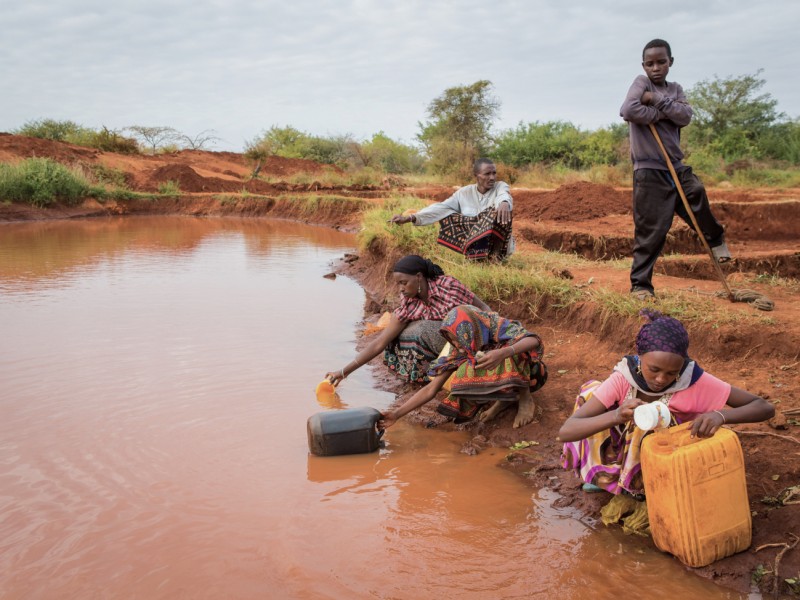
[(655, 201)]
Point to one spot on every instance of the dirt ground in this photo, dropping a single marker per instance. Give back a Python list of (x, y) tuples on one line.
[(594, 221)]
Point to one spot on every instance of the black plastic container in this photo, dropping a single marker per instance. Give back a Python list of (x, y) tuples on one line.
[(348, 431)]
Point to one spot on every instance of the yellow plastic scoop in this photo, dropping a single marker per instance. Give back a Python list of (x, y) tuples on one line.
[(327, 396), (325, 387)]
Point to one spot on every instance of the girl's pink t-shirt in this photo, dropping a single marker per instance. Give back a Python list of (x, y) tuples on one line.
[(707, 394)]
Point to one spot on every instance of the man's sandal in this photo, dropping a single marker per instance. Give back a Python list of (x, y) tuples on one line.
[(721, 253), (643, 294)]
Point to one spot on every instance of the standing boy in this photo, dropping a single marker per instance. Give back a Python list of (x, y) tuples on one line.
[(652, 99)]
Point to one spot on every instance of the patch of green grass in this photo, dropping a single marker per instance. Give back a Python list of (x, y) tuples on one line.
[(41, 182), (225, 199), (307, 205), (771, 280), (122, 194), (107, 176), (408, 239), (766, 177), (169, 188), (330, 177), (540, 175)]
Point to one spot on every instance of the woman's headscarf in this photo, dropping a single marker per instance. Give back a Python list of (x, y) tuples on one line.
[(476, 330), (660, 334), (413, 264)]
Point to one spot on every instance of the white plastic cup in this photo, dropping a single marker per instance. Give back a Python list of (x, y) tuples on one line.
[(651, 416)]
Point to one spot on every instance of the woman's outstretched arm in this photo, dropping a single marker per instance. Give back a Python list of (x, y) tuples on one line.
[(423, 396), (375, 347), (741, 407)]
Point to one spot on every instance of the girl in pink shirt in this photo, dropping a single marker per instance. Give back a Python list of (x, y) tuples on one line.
[(602, 443)]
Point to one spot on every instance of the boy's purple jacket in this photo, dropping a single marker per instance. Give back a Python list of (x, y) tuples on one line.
[(669, 111)]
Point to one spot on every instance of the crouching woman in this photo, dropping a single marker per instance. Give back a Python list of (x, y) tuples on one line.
[(602, 442), (493, 361)]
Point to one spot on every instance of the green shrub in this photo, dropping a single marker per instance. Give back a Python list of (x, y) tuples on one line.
[(109, 140), (50, 129), (107, 176), (763, 176), (707, 165), (390, 156), (41, 181), (169, 188), (782, 142)]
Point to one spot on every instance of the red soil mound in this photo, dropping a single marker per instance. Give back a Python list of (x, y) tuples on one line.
[(17, 147), (580, 201), (187, 178)]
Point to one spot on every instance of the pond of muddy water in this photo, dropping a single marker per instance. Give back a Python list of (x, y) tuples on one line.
[(157, 374)]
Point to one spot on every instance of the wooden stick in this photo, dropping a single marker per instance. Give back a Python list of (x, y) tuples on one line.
[(783, 437), (772, 545), (751, 350), (688, 207), (776, 583)]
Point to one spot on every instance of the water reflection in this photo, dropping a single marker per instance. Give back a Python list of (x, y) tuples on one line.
[(41, 250)]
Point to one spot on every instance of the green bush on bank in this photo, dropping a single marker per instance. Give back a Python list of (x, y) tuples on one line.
[(41, 181)]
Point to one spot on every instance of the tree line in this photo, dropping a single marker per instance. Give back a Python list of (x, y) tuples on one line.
[(734, 120)]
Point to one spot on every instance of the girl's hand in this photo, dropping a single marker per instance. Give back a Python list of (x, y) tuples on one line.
[(707, 424), (489, 360), (387, 420), (335, 377), (625, 410)]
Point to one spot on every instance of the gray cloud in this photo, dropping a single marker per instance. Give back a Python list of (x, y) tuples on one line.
[(359, 66)]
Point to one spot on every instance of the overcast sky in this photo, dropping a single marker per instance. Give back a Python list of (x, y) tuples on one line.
[(362, 66)]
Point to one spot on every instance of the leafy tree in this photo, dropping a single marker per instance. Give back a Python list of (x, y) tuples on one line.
[(279, 140), (340, 150), (550, 142), (782, 141), (153, 137), (388, 155), (602, 146), (458, 126), (110, 140), (730, 115)]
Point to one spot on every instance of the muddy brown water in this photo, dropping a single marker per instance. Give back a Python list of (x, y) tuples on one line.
[(157, 374)]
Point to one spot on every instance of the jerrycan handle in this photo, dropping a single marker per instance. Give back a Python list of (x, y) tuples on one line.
[(375, 419), (685, 437)]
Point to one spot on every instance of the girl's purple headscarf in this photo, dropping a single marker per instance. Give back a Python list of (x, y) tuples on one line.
[(664, 334)]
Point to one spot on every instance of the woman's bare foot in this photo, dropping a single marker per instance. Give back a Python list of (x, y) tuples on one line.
[(526, 409), (491, 412)]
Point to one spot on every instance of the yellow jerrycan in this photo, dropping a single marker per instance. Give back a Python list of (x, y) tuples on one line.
[(696, 494)]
